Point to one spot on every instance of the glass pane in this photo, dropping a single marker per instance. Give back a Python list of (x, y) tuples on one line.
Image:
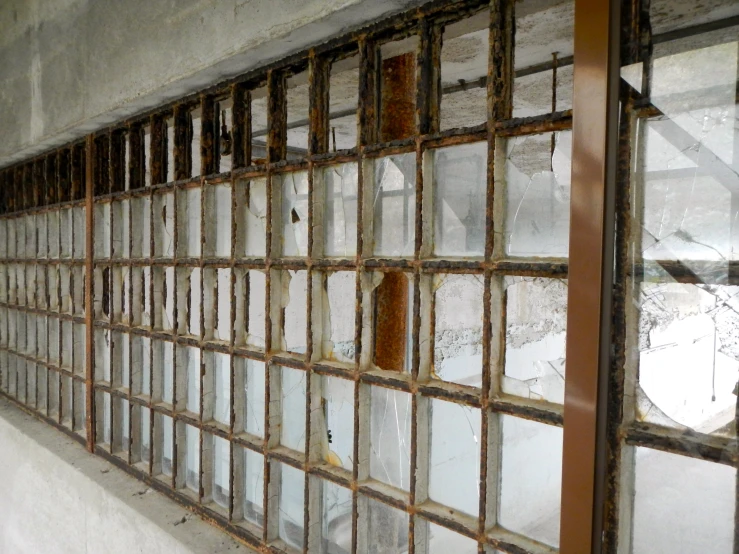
[(337, 446), (294, 214), (395, 205), (388, 529), (454, 464), (221, 471), (336, 520), (443, 541), (338, 340), (295, 302), (340, 210), (460, 182), (531, 479), (192, 458), (254, 384), (251, 218), (253, 487), (292, 506), (343, 102), (689, 356), (390, 437), (536, 320), (682, 505), (458, 329), (464, 70), (537, 197), (292, 428)]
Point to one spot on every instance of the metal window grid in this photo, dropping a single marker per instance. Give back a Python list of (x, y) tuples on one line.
[(83, 181)]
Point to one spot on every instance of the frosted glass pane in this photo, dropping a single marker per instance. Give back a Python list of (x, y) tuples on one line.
[(340, 210), (292, 507), (295, 214), (292, 429)]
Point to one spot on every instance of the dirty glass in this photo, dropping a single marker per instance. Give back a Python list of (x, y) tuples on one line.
[(394, 204)]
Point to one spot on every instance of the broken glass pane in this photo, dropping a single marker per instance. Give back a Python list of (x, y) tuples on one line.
[(163, 225), (531, 479), (340, 210), (292, 506), (388, 529), (251, 218), (536, 322), (464, 71), (689, 356), (454, 464), (541, 34), (337, 433), (395, 205), (292, 429), (294, 299), (338, 342), (393, 312), (682, 504), (336, 520), (458, 328), (460, 182), (390, 437), (259, 126), (297, 115), (537, 185), (295, 213)]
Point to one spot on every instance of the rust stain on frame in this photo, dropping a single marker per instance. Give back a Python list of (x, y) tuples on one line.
[(594, 149)]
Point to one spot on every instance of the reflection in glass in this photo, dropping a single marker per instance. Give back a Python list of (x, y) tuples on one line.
[(395, 205), (390, 437)]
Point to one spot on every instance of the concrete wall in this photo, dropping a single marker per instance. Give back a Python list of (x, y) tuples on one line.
[(71, 66), (56, 497)]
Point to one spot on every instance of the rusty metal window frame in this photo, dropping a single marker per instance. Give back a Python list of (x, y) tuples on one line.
[(129, 161)]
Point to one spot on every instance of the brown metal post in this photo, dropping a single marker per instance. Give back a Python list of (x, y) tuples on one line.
[(89, 285), (594, 149)]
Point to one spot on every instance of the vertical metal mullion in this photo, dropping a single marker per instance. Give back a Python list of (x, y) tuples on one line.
[(500, 107), (89, 288), (208, 154), (594, 150)]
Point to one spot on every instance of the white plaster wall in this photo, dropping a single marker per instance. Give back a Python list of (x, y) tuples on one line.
[(58, 499)]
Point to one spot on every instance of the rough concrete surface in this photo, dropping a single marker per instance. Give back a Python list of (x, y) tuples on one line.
[(55, 497), (68, 67)]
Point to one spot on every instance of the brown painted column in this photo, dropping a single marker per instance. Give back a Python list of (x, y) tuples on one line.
[(594, 146), (397, 121)]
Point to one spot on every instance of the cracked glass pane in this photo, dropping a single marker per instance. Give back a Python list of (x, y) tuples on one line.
[(537, 185), (254, 396), (336, 520), (464, 72), (443, 541), (163, 224), (338, 342), (531, 479), (454, 464), (294, 213), (292, 505), (253, 487), (682, 504), (536, 322), (390, 437), (689, 356), (217, 401), (295, 304), (388, 529), (394, 205), (251, 218), (293, 395), (460, 182), (337, 433), (458, 329), (340, 210)]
